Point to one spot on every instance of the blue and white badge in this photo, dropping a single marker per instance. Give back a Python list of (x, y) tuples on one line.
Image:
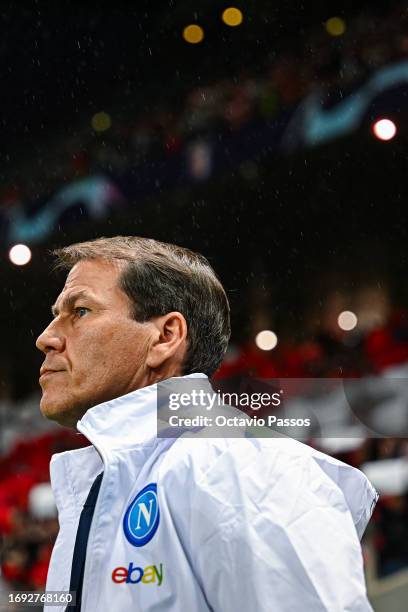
[(142, 516)]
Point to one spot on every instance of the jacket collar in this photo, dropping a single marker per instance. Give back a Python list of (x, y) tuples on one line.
[(125, 421)]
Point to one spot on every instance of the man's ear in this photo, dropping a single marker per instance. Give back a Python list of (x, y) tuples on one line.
[(169, 340)]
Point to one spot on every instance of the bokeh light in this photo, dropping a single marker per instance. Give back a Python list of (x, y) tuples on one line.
[(266, 340), (20, 254), (101, 122), (193, 34), (384, 129), (347, 320), (335, 26), (232, 16)]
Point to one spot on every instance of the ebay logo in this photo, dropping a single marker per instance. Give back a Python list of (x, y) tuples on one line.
[(152, 574)]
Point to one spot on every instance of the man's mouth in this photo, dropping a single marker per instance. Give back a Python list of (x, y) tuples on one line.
[(45, 373)]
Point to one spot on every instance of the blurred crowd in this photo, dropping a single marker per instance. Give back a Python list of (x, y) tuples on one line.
[(28, 516), (312, 62), (378, 341)]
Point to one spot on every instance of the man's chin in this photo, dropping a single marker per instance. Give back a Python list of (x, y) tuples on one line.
[(60, 412)]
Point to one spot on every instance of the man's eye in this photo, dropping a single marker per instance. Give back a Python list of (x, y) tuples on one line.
[(81, 311)]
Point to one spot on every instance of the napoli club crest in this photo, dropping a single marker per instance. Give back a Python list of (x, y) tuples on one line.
[(142, 516)]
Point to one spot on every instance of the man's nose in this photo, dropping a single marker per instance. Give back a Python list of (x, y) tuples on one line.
[(50, 339)]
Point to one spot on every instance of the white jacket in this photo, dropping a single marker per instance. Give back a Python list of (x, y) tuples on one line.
[(193, 525)]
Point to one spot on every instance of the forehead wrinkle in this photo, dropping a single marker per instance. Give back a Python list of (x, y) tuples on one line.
[(69, 300)]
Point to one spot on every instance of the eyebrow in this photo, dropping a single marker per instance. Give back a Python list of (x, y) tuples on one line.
[(69, 301)]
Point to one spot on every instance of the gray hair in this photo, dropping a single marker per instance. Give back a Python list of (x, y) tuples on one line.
[(158, 278)]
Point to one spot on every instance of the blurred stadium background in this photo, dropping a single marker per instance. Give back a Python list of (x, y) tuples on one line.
[(271, 138)]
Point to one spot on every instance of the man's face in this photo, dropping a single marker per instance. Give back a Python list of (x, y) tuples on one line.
[(94, 350)]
